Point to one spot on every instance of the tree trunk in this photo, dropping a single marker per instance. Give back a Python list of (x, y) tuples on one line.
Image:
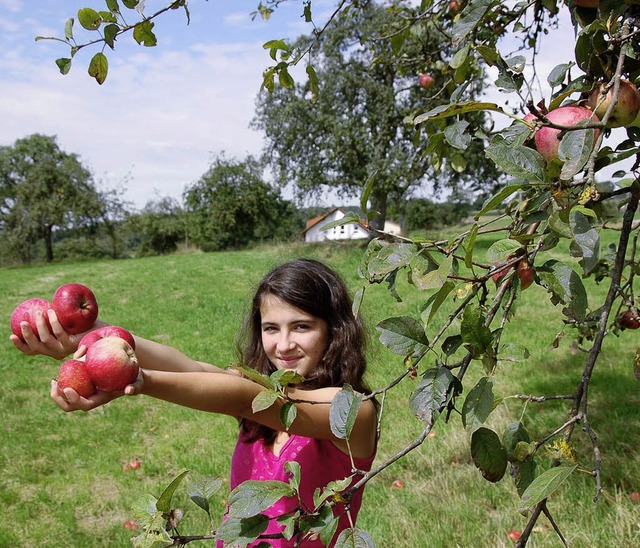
[(48, 242), (379, 204)]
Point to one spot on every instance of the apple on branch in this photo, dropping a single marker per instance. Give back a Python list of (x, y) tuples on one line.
[(26, 312), (425, 80), (629, 319), (547, 139), (76, 307), (107, 331), (112, 364), (626, 108)]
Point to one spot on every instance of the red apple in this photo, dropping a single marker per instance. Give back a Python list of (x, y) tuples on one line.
[(132, 465), (26, 312), (525, 273), (499, 274), (626, 108), (630, 319), (514, 534), (587, 3), (112, 364), (635, 496), (547, 139), (425, 80), (130, 524), (398, 484), (73, 374), (107, 331), (454, 6), (76, 307)]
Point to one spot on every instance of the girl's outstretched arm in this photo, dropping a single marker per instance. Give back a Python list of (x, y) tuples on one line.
[(233, 395)]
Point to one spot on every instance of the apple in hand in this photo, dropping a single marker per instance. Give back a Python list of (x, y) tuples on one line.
[(112, 364), (74, 374), (107, 331), (425, 80), (76, 307), (547, 139), (626, 108), (26, 312)]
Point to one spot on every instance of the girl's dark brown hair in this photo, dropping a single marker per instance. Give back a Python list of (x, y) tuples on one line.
[(316, 289)]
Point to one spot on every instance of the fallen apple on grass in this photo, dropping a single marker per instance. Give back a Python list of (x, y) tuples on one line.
[(26, 312), (112, 364), (74, 374), (107, 331), (76, 307)]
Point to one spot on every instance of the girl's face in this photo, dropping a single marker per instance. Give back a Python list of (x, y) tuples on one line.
[(292, 338)]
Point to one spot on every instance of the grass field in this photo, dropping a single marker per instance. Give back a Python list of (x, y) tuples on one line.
[(63, 483)]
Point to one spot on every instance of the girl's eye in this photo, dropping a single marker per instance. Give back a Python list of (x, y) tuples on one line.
[(302, 327), (269, 329)]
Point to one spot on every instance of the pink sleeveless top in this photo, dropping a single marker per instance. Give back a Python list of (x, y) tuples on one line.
[(320, 463)]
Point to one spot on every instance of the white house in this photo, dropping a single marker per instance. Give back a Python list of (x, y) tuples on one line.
[(351, 231)]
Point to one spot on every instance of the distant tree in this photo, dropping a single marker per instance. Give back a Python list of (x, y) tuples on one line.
[(158, 228), (43, 188), (231, 206), (358, 125)]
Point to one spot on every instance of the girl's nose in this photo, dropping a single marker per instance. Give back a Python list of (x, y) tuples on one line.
[(284, 342)]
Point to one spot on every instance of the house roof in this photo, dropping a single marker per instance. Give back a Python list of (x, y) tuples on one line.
[(315, 220)]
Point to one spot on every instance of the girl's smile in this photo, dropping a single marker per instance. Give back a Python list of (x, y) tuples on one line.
[(291, 338)]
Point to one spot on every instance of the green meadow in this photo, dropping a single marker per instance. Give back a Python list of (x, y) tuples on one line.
[(63, 482)]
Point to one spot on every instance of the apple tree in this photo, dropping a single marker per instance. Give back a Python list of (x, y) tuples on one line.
[(551, 149), (43, 189)]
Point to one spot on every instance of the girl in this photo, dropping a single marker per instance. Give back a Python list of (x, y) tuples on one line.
[(301, 320)]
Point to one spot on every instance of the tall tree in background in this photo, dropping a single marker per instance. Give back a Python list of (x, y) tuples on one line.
[(361, 124), (43, 188), (231, 206)]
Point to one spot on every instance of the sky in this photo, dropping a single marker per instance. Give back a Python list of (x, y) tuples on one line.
[(163, 113)]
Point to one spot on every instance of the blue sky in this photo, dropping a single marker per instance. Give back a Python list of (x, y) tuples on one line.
[(164, 112)]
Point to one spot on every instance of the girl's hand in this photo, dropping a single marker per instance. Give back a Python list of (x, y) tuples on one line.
[(56, 342), (72, 401)]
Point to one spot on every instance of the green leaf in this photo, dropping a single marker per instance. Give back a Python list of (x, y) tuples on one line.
[(456, 136), (314, 85), (354, 538), (89, 18), (566, 287), (242, 532), (350, 217), (325, 525), (164, 502), (131, 4), (469, 243), (436, 300), (288, 413), (344, 411), (366, 191), (292, 468), (286, 80), (143, 33), (574, 150), (98, 67), (446, 111), (526, 473), (518, 161), (497, 199), (544, 486), (113, 6), (64, 64), (252, 497), (488, 454), (587, 239), (110, 33), (512, 435), (389, 258), (470, 18), (502, 250), (332, 488), (430, 395), (476, 336), (403, 336), (264, 400), (250, 373), (513, 352), (285, 377), (478, 404), (200, 492), (68, 29)]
